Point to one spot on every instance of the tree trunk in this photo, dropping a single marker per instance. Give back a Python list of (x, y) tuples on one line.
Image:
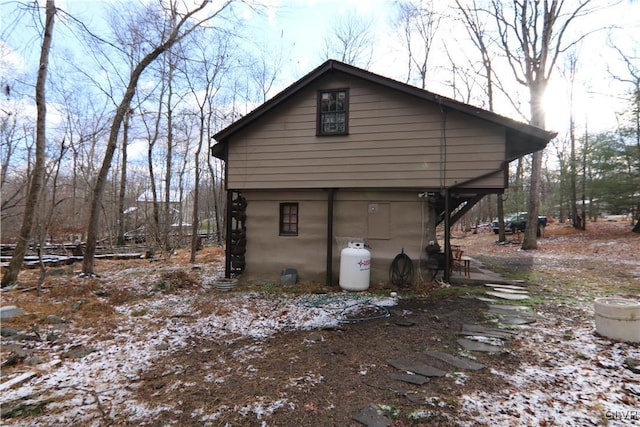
[(155, 208), (195, 238), (183, 170), (35, 185), (536, 94), (166, 240), (217, 206), (530, 240), (47, 217), (123, 181)]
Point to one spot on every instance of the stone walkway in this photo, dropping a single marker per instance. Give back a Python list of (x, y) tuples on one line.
[(415, 369)]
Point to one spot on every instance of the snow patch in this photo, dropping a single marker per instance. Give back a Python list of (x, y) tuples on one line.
[(100, 385)]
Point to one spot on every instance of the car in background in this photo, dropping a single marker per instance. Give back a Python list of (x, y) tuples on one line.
[(516, 223)]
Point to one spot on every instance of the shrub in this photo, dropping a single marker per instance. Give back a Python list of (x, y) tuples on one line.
[(178, 279)]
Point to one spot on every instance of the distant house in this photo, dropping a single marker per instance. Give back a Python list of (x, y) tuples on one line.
[(344, 154)]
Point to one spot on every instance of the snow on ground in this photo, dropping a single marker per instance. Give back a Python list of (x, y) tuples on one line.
[(570, 376), (578, 380), (103, 381)]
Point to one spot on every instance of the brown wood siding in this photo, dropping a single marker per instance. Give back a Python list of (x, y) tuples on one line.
[(395, 141)]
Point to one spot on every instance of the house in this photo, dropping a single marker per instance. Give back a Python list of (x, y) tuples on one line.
[(344, 154)]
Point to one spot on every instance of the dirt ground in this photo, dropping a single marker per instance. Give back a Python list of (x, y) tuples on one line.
[(319, 377)]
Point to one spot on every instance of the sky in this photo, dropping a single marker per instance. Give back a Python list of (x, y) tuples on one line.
[(296, 29), (597, 99)]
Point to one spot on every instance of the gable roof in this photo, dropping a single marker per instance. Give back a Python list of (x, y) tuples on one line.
[(522, 138)]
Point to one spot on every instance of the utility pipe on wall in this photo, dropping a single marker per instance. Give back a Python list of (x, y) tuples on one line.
[(330, 200), (447, 235)]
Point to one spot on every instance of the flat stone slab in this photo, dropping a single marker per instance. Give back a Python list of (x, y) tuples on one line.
[(486, 332), (458, 362), (514, 308), (515, 320), (28, 375), (409, 378), (10, 311), (632, 364), (416, 367), (371, 417), (478, 346), (484, 299), (507, 296), (6, 332), (511, 291), (513, 287), (515, 313), (404, 322)]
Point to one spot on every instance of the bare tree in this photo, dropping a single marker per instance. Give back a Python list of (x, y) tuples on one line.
[(166, 243), (185, 24), (576, 219), (264, 67), (186, 127), (419, 24), (152, 126), (8, 142), (351, 40), (13, 135), (122, 190), (264, 74), (532, 37), (35, 184), (46, 219), (85, 123), (131, 39), (203, 79), (219, 202), (134, 30), (478, 33)]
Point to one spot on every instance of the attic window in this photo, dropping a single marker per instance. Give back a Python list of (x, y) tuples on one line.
[(333, 112)]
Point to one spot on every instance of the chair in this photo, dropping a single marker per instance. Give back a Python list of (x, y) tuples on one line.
[(459, 262), (454, 259)]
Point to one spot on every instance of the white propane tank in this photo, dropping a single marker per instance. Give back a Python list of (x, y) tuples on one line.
[(355, 267)]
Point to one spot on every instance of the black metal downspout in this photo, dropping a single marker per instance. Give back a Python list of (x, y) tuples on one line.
[(443, 188), (330, 199), (447, 236)]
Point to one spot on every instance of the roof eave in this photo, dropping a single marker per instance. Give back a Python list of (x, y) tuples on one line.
[(521, 142)]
